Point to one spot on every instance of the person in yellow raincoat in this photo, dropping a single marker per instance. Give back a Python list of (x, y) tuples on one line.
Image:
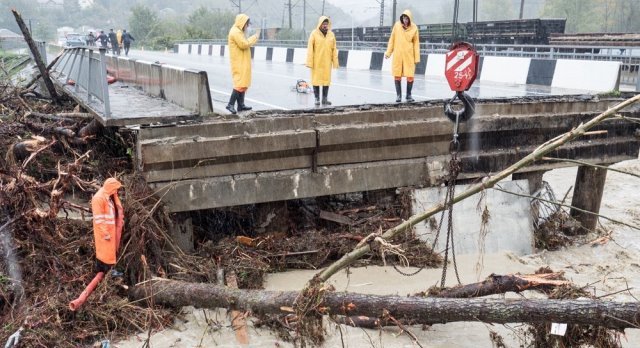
[(322, 55), (404, 45), (119, 38), (240, 56)]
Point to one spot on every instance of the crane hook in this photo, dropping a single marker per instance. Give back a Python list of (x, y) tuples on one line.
[(461, 115)]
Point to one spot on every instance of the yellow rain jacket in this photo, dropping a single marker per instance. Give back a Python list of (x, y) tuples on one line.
[(322, 54), (119, 37), (108, 220), (404, 44), (240, 52)]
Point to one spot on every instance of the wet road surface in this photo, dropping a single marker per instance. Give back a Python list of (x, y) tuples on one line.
[(273, 83)]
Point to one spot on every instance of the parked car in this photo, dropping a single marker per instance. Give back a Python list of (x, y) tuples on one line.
[(75, 40)]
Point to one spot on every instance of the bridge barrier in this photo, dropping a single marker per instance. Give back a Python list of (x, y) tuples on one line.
[(594, 76), (184, 87), (507, 70), (590, 75)]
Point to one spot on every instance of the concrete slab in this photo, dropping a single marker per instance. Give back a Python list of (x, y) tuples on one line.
[(509, 226)]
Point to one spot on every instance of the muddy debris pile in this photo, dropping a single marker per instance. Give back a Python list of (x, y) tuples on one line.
[(54, 157)]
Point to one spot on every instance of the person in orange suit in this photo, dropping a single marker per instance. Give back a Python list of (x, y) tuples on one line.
[(108, 221)]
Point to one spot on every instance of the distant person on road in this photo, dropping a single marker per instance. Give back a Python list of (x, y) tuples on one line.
[(240, 56), (103, 38), (91, 39), (322, 55), (119, 37), (126, 41), (404, 45), (113, 39)]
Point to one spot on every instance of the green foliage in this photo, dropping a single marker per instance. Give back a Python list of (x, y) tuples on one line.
[(291, 34), (596, 15), (495, 10), (145, 24), (614, 93), (209, 24)]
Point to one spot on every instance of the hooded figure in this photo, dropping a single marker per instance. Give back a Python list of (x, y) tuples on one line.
[(108, 221), (240, 56), (404, 44), (322, 55)]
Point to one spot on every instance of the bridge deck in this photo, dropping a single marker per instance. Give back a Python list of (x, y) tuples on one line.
[(129, 106)]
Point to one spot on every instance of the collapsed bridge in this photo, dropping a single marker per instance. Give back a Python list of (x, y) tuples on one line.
[(198, 160), (276, 156)]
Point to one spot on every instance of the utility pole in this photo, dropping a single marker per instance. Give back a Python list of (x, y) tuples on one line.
[(521, 8), (290, 25), (323, 7), (381, 12), (475, 11), (304, 16), (238, 4), (393, 15)]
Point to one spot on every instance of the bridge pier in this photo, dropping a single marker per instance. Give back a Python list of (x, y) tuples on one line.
[(587, 195), (534, 178), (182, 232), (535, 183)]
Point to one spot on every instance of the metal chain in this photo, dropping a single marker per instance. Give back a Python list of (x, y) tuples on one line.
[(454, 170), (406, 274)]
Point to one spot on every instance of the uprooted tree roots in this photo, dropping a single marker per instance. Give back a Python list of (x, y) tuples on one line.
[(44, 193)]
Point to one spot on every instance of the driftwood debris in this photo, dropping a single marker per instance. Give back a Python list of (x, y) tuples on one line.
[(615, 315), (36, 56), (338, 218), (499, 284)]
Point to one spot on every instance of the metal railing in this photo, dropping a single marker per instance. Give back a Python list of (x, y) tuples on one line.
[(629, 57), (88, 71), (622, 53)]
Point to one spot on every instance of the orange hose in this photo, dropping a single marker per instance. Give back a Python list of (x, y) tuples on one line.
[(77, 303)]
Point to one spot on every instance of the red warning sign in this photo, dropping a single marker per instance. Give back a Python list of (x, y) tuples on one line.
[(461, 66)]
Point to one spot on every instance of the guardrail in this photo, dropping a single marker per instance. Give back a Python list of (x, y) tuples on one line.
[(629, 57), (622, 53), (81, 65)]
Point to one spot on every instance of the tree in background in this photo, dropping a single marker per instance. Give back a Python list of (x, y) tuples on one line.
[(596, 15), (209, 24), (496, 10), (145, 25)]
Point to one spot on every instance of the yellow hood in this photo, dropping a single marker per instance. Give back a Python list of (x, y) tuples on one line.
[(408, 14), (322, 19), (241, 20)]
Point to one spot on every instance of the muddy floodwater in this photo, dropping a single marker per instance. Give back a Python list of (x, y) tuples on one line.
[(606, 269)]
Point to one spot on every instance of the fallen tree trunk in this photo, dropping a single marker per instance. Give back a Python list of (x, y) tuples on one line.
[(499, 284), (615, 315), (36, 57)]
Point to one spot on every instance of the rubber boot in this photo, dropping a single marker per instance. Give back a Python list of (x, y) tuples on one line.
[(409, 87), (398, 91), (316, 94), (232, 102), (241, 106), (325, 92)]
